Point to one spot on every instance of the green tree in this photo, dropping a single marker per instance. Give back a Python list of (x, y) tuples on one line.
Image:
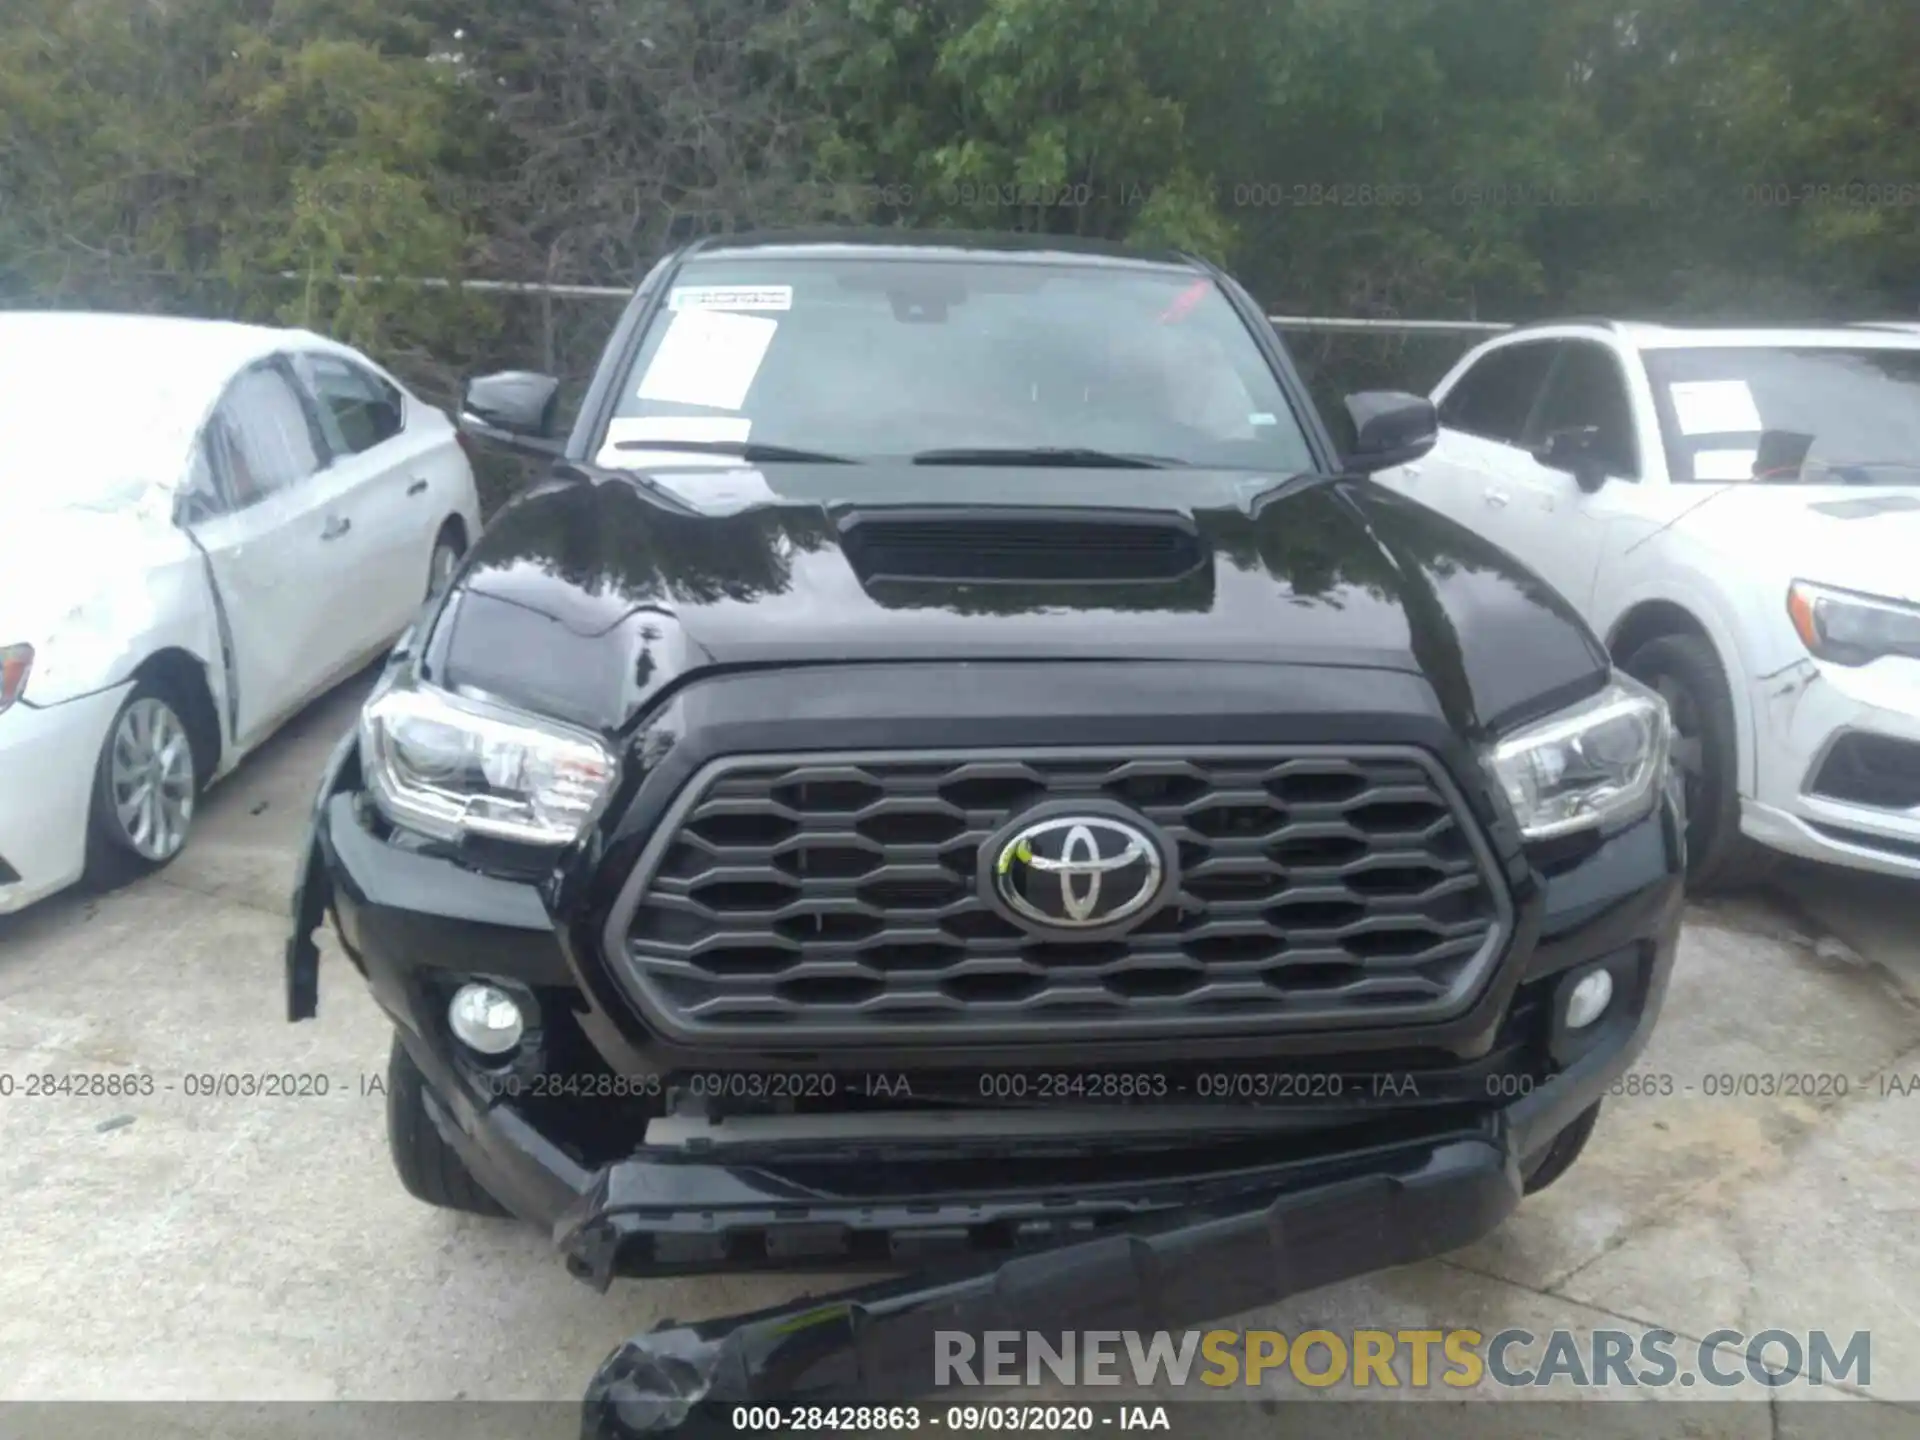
[(1039, 115)]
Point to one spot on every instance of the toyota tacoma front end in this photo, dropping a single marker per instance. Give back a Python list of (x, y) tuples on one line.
[(956, 771)]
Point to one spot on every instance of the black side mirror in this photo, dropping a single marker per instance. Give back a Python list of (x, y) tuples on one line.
[(1576, 451), (515, 408), (1390, 428)]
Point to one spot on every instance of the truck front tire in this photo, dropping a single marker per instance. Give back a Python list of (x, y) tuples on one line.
[(426, 1164)]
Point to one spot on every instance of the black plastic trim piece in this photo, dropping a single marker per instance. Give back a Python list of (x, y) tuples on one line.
[(1862, 768), (876, 1343), (1027, 546), (1864, 840)]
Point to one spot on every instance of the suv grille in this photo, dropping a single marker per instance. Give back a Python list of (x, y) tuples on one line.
[(833, 899)]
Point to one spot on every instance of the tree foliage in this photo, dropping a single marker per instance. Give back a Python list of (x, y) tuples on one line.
[(1492, 158)]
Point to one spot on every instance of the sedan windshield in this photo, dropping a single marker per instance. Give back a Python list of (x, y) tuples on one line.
[(92, 437), (1800, 415), (953, 362)]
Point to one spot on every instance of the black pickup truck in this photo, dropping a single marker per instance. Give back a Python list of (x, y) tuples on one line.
[(957, 772)]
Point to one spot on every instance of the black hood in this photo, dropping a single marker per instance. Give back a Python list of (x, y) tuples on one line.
[(587, 597)]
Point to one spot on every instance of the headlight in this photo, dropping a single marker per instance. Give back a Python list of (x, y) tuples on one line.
[(1850, 629), (450, 766), (1600, 762), (15, 662)]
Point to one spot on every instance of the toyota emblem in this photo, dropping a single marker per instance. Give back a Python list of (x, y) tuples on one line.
[(1078, 872)]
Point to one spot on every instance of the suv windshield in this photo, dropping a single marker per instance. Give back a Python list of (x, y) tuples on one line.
[(1808, 414), (868, 358)]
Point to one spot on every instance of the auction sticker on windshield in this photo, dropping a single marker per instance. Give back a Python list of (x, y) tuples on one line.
[(1723, 465), (708, 358), (730, 297), (1715, 407)]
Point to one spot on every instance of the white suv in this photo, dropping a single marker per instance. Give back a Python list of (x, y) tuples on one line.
[(1737, 512)]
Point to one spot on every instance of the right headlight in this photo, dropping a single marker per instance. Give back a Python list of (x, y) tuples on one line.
[(1850, 629), (1597, 763), (450, 766)]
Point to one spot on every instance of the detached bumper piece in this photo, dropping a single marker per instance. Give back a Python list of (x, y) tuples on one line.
[(878, 1342)]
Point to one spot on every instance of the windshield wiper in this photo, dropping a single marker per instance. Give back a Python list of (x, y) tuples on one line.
[(1062, 455), (748, 450)]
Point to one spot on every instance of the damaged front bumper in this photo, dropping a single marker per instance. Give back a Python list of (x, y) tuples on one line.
[(1273, 1238), (1115, 1232)]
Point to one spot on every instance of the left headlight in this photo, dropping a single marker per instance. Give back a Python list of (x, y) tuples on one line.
[(1598, 763), (450, 766), (1850, 629)]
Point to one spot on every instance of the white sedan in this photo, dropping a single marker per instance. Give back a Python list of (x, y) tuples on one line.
[(207, 525), (1737, 512)]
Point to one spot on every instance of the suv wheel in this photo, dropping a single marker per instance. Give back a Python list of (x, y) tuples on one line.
[(1687, 673), (1563, 1150), (426, 1164)]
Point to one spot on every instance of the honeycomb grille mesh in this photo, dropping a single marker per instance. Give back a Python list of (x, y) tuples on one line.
[(836, 899)]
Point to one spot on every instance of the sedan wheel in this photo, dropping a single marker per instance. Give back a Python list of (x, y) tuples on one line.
[(150, 779), (446, 557)]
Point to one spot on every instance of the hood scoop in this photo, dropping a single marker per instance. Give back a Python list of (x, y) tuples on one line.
[(1017, 545)]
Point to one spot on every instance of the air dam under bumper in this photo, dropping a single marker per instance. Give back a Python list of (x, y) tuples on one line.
[(1274, 1239)]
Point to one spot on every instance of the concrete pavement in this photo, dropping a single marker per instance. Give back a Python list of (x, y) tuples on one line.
[(174, 1245)]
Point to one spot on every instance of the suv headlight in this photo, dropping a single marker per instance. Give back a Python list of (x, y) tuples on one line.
[(1598, 763), (450, 766), (1850, 629)]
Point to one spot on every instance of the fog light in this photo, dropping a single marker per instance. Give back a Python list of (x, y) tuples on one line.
[(485, 1018), (1589, 998)]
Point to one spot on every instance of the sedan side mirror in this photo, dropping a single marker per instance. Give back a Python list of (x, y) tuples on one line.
[(1576, 451), (1390, 428), (515, 408)]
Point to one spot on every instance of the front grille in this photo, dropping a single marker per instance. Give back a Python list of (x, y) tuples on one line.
[(834, 899), (1872, 770)]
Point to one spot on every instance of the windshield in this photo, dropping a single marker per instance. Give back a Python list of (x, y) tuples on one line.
[(84, 432), (1811, 415), (881, 357)]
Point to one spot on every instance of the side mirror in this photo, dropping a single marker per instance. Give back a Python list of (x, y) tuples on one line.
[(515, 408), (1390, 428), (1576, 451)]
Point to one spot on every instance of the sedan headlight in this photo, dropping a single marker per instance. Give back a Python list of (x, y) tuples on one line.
[(1599, 763), (1850, 629), (450, 766)]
